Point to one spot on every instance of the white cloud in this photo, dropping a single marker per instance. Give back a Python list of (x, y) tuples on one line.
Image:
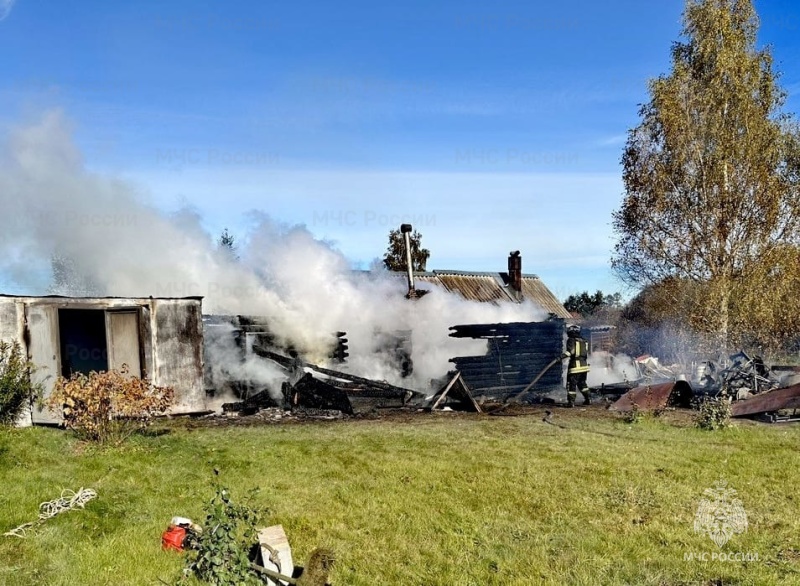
[(613, 140), (5, 8)]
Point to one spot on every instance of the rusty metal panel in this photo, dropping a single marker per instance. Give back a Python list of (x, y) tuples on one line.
[(490, 287), (787, 398), (655, 396)]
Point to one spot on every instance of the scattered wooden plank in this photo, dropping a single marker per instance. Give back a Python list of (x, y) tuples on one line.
[(456, 389)]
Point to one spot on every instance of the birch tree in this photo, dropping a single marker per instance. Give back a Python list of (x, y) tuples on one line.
[(711, 172)]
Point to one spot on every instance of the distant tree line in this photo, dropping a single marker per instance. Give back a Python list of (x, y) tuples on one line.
[(587, 305)]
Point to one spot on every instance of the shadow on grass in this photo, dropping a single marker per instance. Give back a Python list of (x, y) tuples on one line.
[(150, 432)]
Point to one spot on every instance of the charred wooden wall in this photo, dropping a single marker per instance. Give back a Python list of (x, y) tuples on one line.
[(516, 353)]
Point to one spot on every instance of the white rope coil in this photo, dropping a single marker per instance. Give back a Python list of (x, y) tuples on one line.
[(66, 502)]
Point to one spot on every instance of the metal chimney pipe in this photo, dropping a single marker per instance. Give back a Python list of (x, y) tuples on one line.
[(405, 229)]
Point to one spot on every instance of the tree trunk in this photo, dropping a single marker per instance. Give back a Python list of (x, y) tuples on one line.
[(724, 303)]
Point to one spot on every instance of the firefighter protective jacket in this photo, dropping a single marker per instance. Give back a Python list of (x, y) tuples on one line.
[(578, 350)]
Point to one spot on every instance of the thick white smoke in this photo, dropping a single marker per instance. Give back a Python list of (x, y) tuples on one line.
[(609, 368), (113, 243), (228, 364)]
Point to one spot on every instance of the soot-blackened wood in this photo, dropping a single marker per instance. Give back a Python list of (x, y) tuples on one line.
[(515, 354), (505, 363), (455, 395), (315, 394), (293, 362), (509, 329)]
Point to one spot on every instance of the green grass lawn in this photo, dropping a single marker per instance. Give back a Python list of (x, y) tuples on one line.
[(430, 499)]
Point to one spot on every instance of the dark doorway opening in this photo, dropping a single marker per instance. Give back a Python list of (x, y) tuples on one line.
[(83, 340)]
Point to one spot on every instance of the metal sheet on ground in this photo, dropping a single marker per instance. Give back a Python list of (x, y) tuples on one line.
[(787, 398), (655, 396)]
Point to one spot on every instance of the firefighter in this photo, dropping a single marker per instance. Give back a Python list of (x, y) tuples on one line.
[(577, 352)]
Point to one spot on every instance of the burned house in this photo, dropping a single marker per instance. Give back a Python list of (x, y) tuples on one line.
[(600, 338), (259, 371), (159, 339), (516, 353)]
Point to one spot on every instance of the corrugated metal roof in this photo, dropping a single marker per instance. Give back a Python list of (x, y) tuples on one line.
[(474, 287), (536, 291), (489, 287)]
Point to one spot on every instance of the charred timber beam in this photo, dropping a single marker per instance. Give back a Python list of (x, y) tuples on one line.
[(355, 392), (494, 369), (546, 383), (290, 362), (505, 364), (315, 394), (504, 330), (515, 361), (358, 379), (527, 348), (529, 386), (262, 400)]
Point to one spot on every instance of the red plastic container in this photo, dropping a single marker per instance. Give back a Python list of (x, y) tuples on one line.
[(173, 538)]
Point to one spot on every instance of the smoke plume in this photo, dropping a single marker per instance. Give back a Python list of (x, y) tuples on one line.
[(100, 236), (610, 368)]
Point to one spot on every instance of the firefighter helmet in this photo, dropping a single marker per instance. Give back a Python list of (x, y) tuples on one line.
[(573, 330)]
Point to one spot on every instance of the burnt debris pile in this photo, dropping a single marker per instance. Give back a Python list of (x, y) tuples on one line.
[(744, 377), (753, 388), (521, 363), (261, 372)]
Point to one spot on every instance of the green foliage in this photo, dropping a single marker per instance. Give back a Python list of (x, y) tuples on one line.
[(227, 244), (586, 304), (16, 390), (770, 322), (395, 257), (229, 533), (711, 175), (635, 415), (372, 490), (713, 414), (108, 406)]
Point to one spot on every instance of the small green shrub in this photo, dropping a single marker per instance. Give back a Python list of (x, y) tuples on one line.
[(635, 415), (713, 414), (229, 533), (16, 390)]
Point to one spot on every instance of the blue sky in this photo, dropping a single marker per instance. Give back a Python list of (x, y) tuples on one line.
[(490, 126)]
